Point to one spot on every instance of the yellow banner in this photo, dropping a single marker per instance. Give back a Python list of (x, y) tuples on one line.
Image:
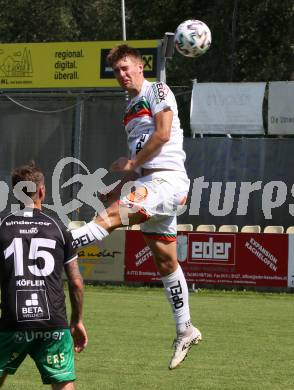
[(104, 262), (66, 64)]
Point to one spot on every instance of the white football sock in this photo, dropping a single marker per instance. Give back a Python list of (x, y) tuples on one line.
[(177, 293), (87, 234)]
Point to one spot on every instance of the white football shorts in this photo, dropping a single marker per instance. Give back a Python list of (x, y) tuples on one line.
[(160, 197)]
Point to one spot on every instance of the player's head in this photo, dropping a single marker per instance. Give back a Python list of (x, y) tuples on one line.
[(128, 67), (35, 190), (121, 51)]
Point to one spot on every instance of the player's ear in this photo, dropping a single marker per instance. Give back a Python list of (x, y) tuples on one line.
[(42, 192), (141, 66)]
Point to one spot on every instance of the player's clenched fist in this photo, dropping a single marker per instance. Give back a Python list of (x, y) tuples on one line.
[(123, 164)]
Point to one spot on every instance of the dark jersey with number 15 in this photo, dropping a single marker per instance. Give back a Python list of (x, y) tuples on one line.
[(33, 251)]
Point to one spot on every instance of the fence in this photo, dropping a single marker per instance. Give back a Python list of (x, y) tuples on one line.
[(207, 258), (48, 126)]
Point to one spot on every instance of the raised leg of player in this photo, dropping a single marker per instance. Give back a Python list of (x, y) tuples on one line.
[(117, 215), (96, 230)]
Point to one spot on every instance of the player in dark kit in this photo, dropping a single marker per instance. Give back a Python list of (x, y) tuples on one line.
[(34, 251)]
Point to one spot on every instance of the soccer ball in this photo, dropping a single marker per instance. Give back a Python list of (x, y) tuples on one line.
[(192, 38)]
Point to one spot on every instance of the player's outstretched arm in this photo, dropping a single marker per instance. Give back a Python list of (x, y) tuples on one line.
[(76, 294)]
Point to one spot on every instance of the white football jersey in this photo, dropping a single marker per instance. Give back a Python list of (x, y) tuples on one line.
[(140, 124)]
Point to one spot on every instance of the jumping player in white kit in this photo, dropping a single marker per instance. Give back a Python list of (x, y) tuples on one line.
[(154, 187)]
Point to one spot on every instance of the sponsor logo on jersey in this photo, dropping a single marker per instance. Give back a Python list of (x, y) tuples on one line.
[(141, 142), (31, 335), (32, 230), (25, 222), (32, 305), (133, 136), (160, 91), (139, 109), (19, 337), (158, 180), (138, 195)]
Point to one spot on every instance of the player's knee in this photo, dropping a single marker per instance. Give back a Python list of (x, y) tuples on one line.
[(166, 264), (110, 218)]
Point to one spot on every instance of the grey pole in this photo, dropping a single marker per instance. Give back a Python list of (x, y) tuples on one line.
[(124, 33), (123, 14), (77, 146)]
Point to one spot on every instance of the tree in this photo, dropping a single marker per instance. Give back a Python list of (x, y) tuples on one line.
[(36, 21), (258, 48), (264, 41), (252, 40)]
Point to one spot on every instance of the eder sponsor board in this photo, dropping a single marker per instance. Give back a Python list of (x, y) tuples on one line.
[(241, 259), (211, 249)]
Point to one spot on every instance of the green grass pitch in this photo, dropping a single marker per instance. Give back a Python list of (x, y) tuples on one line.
[(247, 342)]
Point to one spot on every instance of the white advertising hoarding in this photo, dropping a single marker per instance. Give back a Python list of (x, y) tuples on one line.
[(227, 108), (281, 107)]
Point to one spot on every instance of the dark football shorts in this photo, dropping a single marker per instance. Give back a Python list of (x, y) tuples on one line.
[(52, 351)]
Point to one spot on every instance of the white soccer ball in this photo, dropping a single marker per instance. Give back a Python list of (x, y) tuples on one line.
[(192, 38)]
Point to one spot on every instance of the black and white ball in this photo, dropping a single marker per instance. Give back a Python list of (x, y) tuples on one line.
[(192, 38)]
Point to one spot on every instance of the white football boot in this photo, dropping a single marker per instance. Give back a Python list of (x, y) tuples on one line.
[(182, 344)]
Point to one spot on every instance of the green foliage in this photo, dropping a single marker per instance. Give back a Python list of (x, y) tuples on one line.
[(36, 21), (259, 50), (251, 40), (264, 41), (97, 20)]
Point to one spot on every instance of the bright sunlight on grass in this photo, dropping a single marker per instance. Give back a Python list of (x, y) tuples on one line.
[(247, 342)]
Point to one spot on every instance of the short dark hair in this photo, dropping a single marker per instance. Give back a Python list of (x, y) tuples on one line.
[(121, 51), (28, 172)]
